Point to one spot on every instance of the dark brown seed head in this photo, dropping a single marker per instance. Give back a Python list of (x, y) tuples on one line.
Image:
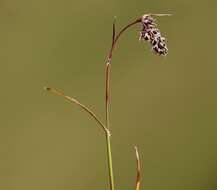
[(151, 33)]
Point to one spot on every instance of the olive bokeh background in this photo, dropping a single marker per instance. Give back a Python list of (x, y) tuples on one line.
[(165, 106)]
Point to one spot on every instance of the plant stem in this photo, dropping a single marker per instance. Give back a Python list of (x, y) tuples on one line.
[(107, 73), (110, 165), (108, 135), (107, 79), (108, 64)]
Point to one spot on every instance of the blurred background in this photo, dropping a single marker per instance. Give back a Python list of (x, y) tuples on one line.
[(164, 105)]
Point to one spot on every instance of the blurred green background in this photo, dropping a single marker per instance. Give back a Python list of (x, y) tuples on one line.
[(165, 106)]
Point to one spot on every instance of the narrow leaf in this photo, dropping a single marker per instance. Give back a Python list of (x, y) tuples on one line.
[(138, 174), (113, 31)]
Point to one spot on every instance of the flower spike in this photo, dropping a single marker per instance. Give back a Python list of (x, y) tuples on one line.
[(152, 34)]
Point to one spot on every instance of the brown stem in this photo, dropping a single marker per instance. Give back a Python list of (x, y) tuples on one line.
[(107, 73), (107, 76), (108, 64)]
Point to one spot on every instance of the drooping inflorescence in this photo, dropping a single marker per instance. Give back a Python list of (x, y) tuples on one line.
[(152, 34)]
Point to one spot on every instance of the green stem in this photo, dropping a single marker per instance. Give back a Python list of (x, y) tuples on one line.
[(109, 155)]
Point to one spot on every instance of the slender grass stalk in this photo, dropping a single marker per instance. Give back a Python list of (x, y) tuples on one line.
[(107, 96), (107, 75), (108, 135)]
